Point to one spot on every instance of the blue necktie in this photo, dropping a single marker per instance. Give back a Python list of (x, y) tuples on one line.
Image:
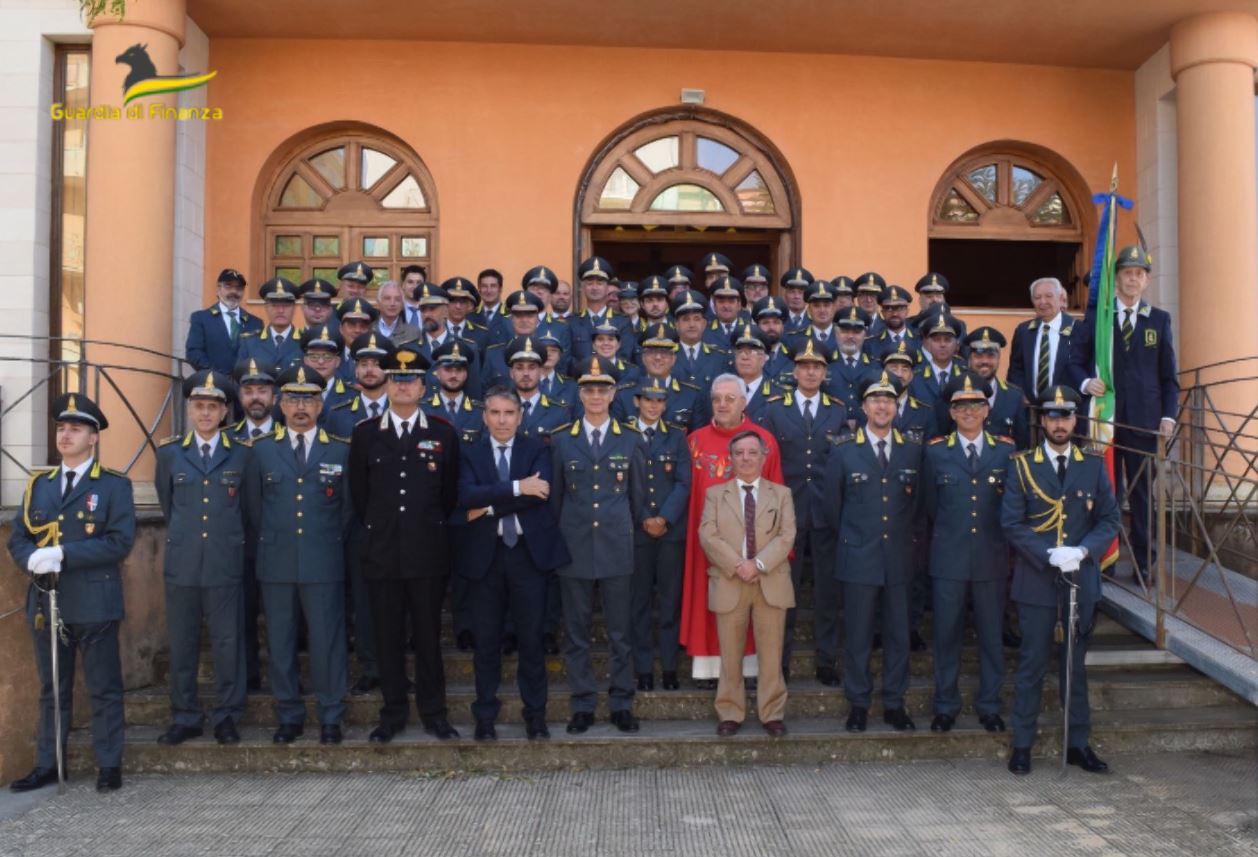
[(509, 535)]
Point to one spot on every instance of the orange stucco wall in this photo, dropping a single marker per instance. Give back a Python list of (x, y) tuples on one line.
[(506, 131)]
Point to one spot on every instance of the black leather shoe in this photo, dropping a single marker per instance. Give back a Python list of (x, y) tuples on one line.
[(942, 723), (330, 733), (1020, 761), (705, 684), (916, 643), (828, 676), (36, 779), (992, 722), (646, 681), (365, 685), (624, 721), (485, 731), (1087, 760), (510, 643), (382, 734), (581, 721), (287, 733), (669, 680), (550, 643), (465, 641), (225, 732), (109, 780), (177, 734), (440, 727), (857, 719), (898, 719), (535, 728)]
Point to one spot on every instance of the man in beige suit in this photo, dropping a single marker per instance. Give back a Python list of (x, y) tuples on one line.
[(747, 532)]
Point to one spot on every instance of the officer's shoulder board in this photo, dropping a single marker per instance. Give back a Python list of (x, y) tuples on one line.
[(352, 404), (496, 345), (678, 426), (167, 441), (688, 385), (565, 427), (469, 403), (1004, 438), (326, 436), (617, 423), (784, 398), (840, 439), (628, 385), (937, 440)]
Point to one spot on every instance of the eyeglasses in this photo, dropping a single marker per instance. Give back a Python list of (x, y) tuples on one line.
[(321, 357)]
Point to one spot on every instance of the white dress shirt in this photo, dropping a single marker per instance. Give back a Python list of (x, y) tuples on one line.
[(199, 441), (413, 421), (814, 400), (589, 428), (494, 445), (966, 443), (226, 313), (79, 472), (1054, 335), (310, 437), (265, 427)]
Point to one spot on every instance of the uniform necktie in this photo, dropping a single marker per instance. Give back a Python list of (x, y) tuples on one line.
[(528, 408), (65, 492), (205, 456), (883, 461), (1061, 468), (406, 433), (851, 362), (458, 331), (279, 342), (650, 433), (452, 408), (749, 519), (943, 380), (595, 440), (375, 409), (300, 452), (255, 432), (1128, 329), (509, 534), (690, 354), (1041, 371), (234, 326), (808, 415), (971, 455), (546, 386)]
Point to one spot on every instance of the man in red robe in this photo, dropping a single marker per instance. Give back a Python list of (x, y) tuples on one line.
[(709, 454)]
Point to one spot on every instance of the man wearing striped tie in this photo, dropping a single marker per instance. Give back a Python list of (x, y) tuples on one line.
[(1040, 356)]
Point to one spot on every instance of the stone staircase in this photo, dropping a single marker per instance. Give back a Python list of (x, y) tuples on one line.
[(1140, 703)]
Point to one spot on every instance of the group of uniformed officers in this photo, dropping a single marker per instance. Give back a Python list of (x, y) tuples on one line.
[(526, 460)]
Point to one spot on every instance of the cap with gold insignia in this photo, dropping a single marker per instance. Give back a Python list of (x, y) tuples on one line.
[(594, 370), (316, 289), (870, 282), (933, 283), (628, 290), (651, 388), (985, 339), (1133, 257), (540, 276), (660, 335), (231, 275), (372, 344), (882, 384), (842, 285), (208, 384), (525, 348), (748, 337), (606, 328), (430, 295), (894, 296), (595, 268), (321, 338), (769, 306), (853, 317), (819, 290), (408, 363), (300, 380), (967, 387), (679, 274), (796, 278), (546, 337), (808, 352), (523, 301), (715, 263), (688, 301), (356, 272), (1060, 401), (251, 372), (77, 408), (756, 274), (461, 289), (653, 286), (940, 324), (278, 289), (726, 287), (902, 353), (450, 353), (357, 308)]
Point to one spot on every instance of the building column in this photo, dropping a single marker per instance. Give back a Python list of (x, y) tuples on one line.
[(1213, 57), (130, 227)]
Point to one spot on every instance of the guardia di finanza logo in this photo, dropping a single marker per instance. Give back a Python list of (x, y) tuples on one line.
[(143, 78)]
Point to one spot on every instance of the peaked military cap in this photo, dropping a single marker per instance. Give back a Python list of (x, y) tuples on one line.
[(882, 384), (208, 384), (679, 274), (819, 290), (524, 301), (278, 289), (933, 282), (660, 335), (526, 348), (939, 323), (870, 281), (321, 338), (540, 276), (843, 285), (316, 289), (967, 387), (629, 290), (231, 275), (748, 337), (715, 263), (299, 380), (1060, 401), (249, 372), (768, 306), (357, 272), (372, 344), (689, 301), (407, 363), (796, 278), (596, 268), (430, 295), (756, 274), (727, 287), (606, 328), (359, 308), (985, 339), (809, 352), (461, 289), (594, 370), (651, 388), (853, 317), (77, 408), (902, 353), (546, 337), (653, 286), (1133, 257), (894, 296), (450, 353)]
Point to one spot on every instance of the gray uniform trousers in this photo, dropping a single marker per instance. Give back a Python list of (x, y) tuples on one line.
[(1037, 647), (324, 607), (949, 625), (222, 608), (578, 616)]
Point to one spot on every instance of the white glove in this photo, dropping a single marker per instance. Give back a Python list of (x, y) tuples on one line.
[(1067, 559), (45, 560)]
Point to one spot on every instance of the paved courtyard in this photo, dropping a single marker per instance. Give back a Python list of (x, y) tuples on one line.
[(1187, 803)]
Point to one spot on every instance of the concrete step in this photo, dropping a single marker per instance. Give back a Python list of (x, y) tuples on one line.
[(671, 743), (1174, 687)]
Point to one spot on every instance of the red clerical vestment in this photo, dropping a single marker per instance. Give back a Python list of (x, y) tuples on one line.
[(709, 454)]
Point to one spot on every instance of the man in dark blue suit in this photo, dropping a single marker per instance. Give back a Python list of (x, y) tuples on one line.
[(1040, 356), (1146, 388), (507, 546), (214, 332)]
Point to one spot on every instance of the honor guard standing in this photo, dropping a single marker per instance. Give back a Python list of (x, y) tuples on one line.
[(872, 480), (685, 401), (599, 475), (296, 499), (963, 480), (805, 422), (198, 483), (75, 527), (277, 344), (1060, 515), (404, 475), (659, 540)]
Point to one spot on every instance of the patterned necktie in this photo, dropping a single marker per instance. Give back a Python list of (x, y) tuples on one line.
[(510, 537), (300, 452), (1061, 468), (749, 519), (1128, 329), (971, 455), (1041, 370), (883, 461), (65, 492), (808, 415), (596, 443), (205, 456)]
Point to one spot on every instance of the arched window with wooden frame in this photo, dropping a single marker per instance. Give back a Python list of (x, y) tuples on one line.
[(1003, 215), (345, 193), (672, 184)]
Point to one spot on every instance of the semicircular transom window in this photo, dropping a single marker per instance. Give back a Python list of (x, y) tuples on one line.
[(349, 197), (1006, 194), (686, 171)]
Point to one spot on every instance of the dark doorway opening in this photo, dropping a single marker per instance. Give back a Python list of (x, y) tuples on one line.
[(636, 253), (999, 273)]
